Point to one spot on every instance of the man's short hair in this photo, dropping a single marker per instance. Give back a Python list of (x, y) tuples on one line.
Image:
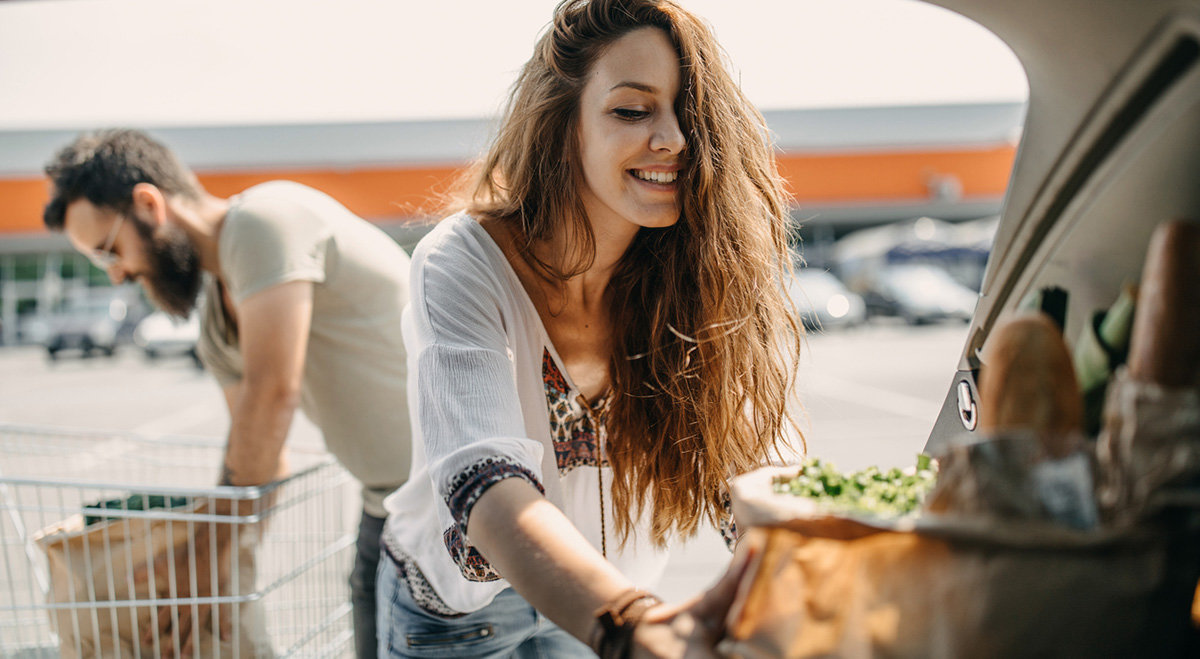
[(103, 167)]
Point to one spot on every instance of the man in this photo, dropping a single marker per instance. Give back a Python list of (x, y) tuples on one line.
[(301, 309)]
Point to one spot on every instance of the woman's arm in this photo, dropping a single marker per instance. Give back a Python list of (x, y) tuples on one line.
[(545, 558), (540, 552)]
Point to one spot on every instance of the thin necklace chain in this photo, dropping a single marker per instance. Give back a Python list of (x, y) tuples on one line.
[(603, 535), (591, 412)]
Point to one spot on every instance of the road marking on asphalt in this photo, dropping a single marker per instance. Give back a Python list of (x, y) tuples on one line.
[(178, 421), (874, 397)]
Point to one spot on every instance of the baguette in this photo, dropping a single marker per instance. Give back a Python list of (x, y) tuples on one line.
[(1028, 383), (1165, 347)]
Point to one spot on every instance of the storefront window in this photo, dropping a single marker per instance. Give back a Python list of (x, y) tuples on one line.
[(27, 267), (97, 277), (68, 267)]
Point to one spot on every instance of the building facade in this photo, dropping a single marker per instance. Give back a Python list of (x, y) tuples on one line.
[(846, 168)]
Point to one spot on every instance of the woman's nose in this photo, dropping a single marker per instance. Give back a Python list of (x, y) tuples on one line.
[(668, 136)]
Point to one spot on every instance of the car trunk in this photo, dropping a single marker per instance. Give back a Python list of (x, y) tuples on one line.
[(1110, 149)]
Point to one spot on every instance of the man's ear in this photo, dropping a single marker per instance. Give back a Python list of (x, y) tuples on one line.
[(149, 204)]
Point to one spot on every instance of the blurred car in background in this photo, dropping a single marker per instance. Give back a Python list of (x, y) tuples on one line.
[(823, 302), (960, 248), (918, 293), (90, 326), (162, 335)]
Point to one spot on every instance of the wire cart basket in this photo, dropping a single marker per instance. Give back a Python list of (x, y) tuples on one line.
[(104, 539)]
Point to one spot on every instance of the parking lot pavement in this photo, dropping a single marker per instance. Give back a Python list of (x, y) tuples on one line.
[(126, 392), (871, 395)]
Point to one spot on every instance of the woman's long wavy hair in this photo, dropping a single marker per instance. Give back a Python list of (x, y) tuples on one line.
[(705, 347)]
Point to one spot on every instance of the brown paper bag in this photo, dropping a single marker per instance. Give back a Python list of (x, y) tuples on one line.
[(824, 585), (111, 562), (903, 594)]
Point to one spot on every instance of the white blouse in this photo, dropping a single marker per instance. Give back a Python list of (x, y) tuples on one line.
[(490, 400)]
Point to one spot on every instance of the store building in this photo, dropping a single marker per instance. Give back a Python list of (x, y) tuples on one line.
[(846, 168)]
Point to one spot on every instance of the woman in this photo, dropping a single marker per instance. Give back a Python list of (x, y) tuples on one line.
[(596, 345)]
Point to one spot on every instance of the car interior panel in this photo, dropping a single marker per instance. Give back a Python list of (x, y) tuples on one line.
[(1109, 151)]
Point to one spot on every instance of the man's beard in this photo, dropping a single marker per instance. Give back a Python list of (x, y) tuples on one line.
[(173, 283)]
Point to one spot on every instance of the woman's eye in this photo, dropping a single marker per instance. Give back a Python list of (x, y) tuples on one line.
[(629, 114)]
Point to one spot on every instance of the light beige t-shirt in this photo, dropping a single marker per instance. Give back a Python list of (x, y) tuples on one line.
[(355, 370)]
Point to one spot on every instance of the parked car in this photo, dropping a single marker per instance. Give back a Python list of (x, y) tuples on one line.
[(162, 335), (919, 293), (959, 248), (90, 326), (823, 302)]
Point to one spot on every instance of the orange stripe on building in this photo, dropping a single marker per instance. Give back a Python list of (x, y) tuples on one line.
[(375, 194), (398, 192), (21, 202), (896, 176)]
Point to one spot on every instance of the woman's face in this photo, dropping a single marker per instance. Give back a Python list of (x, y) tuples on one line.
[(629, 136)]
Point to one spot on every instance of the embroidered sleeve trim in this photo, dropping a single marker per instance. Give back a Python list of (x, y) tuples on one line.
[(472, 564), (422, 592), (472, 482)]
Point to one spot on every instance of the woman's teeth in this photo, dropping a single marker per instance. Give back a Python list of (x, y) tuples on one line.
[(655, 177)]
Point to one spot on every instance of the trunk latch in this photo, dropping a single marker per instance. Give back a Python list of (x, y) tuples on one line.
[(968, 413)]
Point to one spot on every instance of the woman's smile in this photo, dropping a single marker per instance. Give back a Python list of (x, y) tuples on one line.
[(657, 179)]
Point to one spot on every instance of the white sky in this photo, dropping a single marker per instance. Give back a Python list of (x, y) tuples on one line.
[(83, 63)]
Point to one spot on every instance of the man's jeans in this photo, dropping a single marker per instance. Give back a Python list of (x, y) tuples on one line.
[(362, 585)]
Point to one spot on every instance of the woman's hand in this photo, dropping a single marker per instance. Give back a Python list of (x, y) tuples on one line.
[(692, 629)]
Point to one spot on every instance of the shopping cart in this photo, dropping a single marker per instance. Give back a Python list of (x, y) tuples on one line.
[(87, 522)]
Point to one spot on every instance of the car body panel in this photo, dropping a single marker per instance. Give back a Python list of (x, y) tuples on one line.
[(160, 334), (823, 301), (1110, 149), (919, 293), (86, 325)]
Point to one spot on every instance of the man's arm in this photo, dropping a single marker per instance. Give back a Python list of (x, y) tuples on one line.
[(233, 394), (273, 330)]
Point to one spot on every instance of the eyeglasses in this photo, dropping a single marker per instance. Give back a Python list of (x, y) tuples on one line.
[(104, 258)]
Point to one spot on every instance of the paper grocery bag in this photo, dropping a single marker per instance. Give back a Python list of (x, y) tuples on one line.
[(829, 586), (824, 597), (111, 561)]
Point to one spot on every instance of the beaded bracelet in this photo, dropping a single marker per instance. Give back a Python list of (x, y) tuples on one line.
[(612, 637)]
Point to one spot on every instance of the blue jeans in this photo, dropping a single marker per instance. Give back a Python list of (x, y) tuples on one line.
[(362, 585), (508, 627)]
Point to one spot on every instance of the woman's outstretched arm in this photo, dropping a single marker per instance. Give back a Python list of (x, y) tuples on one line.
[(545, 558), (540, 552)]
